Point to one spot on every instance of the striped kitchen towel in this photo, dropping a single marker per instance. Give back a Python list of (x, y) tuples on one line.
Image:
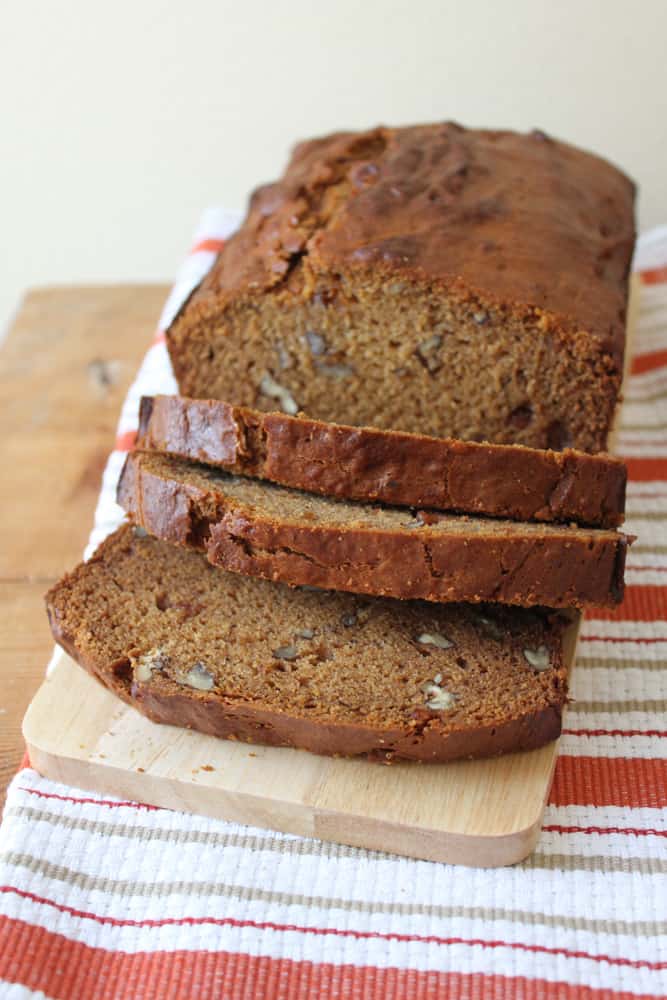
[(107, 899)]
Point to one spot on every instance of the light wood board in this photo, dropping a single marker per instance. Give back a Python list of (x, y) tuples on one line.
[(485, 813)]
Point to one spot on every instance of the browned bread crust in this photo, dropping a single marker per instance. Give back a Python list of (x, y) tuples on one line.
[(364, 463), (141, 615), (433, 279), (260, 529)]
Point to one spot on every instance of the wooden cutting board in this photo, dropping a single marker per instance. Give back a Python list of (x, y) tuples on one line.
[(484, 813), (471, 812)]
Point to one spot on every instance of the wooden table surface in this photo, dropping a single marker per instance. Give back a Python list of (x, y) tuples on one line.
[(65, 367)]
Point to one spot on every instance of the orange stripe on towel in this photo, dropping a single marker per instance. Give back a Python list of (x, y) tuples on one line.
[(639, 782), (642, 363), (211, 245), (654, 275), (61, 968), (125, 441)]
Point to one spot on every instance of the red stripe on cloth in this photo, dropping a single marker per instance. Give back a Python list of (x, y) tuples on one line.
[(639, 782), (642, 363), (96, 802), (654, 275), (344, 932), (615, 732), (43, 960), (645, 469), (125, 441), (641, 603), (628, 831), (648, 362), (159, 337), (615, 639), (212, 245)]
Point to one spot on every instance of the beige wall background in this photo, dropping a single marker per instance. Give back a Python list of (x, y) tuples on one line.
[(121, 121)]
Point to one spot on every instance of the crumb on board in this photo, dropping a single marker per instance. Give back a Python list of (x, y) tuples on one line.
[(251, 754), (142, 770), (207, 767)]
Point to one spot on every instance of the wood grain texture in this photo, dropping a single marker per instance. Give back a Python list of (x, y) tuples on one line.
[(482, 813), (25, 647), (65, 367)]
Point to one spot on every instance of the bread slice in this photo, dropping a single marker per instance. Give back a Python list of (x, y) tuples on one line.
[(364, 463), (270, 531), (453, 282), (194, 646)]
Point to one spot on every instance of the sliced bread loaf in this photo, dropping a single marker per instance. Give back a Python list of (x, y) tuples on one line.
[(364, 463), (434, 279), (193, 646), (261, 529)]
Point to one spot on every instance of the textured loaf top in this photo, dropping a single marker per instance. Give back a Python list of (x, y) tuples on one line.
[(191, 645), (434, 280), (364, 463), (522, 220), (261, 529)]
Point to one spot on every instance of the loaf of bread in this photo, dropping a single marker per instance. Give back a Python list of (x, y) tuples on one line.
[(261, 529), (433, 279), (191, 645), (364, 463)]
